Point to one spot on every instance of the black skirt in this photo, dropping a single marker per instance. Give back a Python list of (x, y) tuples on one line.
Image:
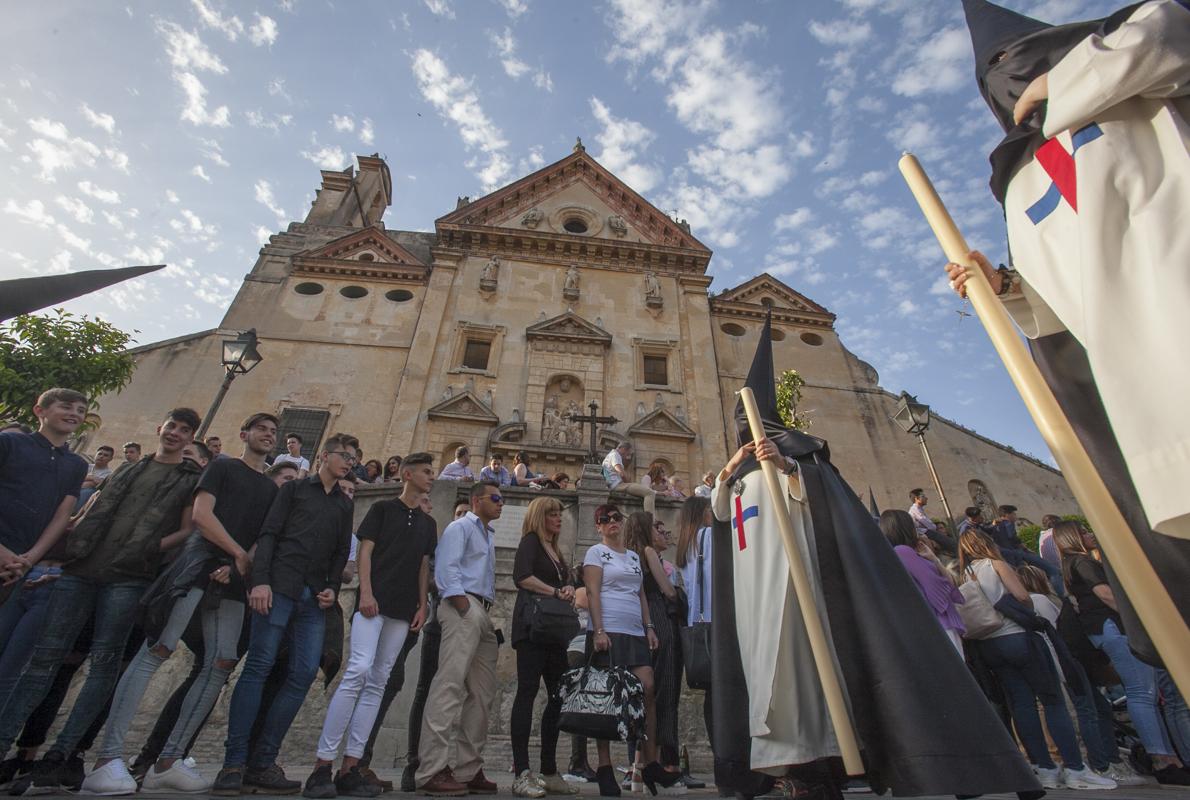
[(626, 651)]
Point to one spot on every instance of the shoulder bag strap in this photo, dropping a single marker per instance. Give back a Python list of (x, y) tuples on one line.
[(701, 580)]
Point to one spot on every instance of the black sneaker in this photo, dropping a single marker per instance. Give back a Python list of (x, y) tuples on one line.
[(45, 777), (320, 784), (353, 784), (73, 772), (269, 780), (409, 777), (13, 768), (229, 782), (1172, 776)]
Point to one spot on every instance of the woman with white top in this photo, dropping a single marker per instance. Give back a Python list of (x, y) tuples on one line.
[(1023, 665), (622, 634)]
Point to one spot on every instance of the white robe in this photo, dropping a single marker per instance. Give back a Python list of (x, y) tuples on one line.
[(787, 714), (1116, 272)]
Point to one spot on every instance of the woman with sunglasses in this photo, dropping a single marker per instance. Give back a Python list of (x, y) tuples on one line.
[(646, 536), (621, 634)]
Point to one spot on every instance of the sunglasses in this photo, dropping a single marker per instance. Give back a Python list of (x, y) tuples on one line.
[(496, 498), (615, 516)]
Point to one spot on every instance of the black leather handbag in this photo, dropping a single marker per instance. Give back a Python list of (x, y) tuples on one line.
[(696, 638), (602, 703), (551, 620)]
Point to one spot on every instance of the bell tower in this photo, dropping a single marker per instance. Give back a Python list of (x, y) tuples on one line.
[(352, 199)]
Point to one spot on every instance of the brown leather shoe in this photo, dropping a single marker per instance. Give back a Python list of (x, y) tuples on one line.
[(480, 785), (443, 784), (375, 780)]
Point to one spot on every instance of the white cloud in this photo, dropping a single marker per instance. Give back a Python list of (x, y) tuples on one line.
[(263, 235), (748, 173), (32, 212), (327, 157), (276, 88), (172, 196), (118, 159), (186, 51), (105, 121), (231, 27), (622, 142), (76, 208), (198, 172), (113, 220), (257, 119), (60, 262), (196, 111), (712, 217), (109, 196), (506, 46), (794, 219), (542, 80), (840, 32), (342, 123), (907, 308), (213, 152), (263, 32), (56, 150), (73, 239), (456, 101), (514, 7), (440, 8), (367, 134), (264, 196), (646, 29), (942, 66)]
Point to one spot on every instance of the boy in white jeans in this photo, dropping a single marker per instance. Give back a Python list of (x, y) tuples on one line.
[(396, 540)]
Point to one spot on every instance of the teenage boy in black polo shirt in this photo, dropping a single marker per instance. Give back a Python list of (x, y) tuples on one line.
[(296, 573), (114, 551), (396, 540)]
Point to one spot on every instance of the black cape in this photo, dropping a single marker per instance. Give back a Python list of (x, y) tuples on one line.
[(925, 728)]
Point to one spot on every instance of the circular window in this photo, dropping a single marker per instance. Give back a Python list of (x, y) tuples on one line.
[(367, 257), (353, 292), (399, 295), (778, 335), (308, 288), (575, 225), (767, 302), (812, 339), (731, 329)]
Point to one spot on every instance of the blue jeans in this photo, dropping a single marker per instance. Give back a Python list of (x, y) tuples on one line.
[(1011, 661), (1177, 716), (1094, 722), (20, 623), (307, 626), (1140, 687), (72, 601)]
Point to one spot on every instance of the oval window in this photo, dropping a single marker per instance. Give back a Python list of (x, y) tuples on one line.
[(353, 292), (367, 257), (308, 288), (399, 295), (812, 339), (575, 225), (778, 335), (731, 329)]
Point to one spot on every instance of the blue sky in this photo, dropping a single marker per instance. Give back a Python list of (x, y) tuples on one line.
[(185, 132)]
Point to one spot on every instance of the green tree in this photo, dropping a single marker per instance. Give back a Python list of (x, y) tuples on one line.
[(39, 352), (789, 394)]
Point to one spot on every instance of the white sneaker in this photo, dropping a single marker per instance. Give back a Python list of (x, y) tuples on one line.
[(1050, 778), (112, 778), (1124, 775), (1087, 780), (181, 778), (526, 786)]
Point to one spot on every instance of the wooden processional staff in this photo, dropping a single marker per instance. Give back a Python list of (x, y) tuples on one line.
[(832, 687), (1153, 605)]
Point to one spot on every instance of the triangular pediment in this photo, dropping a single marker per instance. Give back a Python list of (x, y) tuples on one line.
[(369, 245), (464, 406), (661, 422), (569, 327), (756, 297), (577, 188)]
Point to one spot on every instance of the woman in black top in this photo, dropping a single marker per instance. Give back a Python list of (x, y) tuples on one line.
[(538, 570), (646, 535), (1086, 581)]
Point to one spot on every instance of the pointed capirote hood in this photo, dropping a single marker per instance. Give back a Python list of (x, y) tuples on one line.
[(763, 384), (994, 27), (26, 295)]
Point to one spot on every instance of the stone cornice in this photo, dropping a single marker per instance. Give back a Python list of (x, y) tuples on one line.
[(756, 312), (371, 270), (569, 327)]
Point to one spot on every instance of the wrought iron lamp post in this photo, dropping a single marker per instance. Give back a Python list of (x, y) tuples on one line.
[(914, 418), (239, 357)]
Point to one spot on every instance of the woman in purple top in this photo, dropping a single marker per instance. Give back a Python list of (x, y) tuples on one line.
[(929, 575)]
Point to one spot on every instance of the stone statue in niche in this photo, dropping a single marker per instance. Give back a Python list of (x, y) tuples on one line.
[(469, 386), (491, 274), (618, 225), (652, 290), (532, 218), (516, 415), (640, 410), (550, 421), (574, 430), (487, 398), (658, 402), (680, 414), (570, 288), (982, 498), (448, 392)]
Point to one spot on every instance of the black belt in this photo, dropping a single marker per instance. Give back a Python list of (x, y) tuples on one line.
[(483, 601)]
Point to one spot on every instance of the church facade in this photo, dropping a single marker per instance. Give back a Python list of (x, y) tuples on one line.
[(515, 313)]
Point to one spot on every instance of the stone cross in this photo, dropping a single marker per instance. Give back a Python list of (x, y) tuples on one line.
[(594, 419)]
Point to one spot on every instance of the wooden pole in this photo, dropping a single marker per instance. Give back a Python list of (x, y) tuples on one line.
[(1153, 605), (831, 687)]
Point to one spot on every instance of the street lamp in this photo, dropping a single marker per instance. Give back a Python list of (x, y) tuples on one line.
[(240, 356), (914, 418)]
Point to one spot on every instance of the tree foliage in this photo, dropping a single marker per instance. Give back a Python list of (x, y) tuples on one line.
[(59, 349), (789, 394)]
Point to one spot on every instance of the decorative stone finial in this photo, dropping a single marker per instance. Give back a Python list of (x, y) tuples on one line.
[(578, 145)]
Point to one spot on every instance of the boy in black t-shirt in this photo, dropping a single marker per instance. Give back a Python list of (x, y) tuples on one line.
[(396, 540), (230, 502)]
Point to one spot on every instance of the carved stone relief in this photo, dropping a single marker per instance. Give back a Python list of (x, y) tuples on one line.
[(570, 290), (491, 274)]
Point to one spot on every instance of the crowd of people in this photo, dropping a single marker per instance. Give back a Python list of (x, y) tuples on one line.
[(241, 559)]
